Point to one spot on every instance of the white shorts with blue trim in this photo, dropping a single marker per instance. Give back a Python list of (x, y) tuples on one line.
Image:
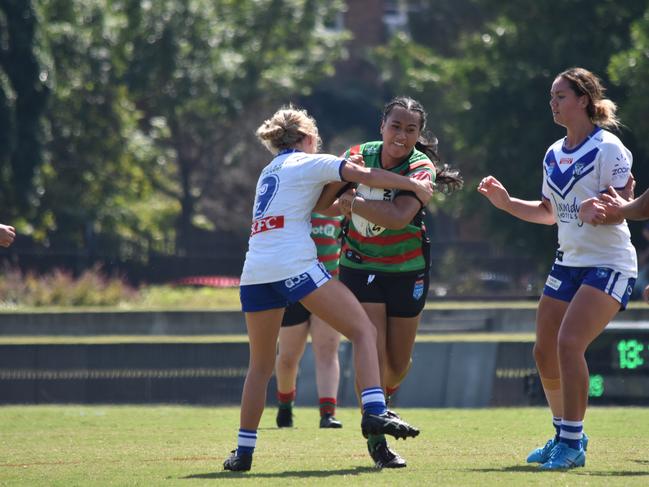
[(279, 294), (563, 282)]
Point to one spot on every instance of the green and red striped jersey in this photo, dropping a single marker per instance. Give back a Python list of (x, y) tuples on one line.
[(391, 251), (325, 232)]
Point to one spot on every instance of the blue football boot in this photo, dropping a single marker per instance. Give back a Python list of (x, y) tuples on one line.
[(542, 455), (563, 457)]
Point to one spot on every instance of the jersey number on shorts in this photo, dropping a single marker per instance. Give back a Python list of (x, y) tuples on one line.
[(267, 191)]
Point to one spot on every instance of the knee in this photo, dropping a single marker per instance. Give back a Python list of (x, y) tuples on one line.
[(544, 353), (261, 370), (366, 331), (327, 350), (287, 360), (570, 346)]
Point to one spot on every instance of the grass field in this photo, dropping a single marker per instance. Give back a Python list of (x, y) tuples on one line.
[(185, 446)]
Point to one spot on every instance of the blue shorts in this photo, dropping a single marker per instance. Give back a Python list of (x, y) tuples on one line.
[(279, 294), (563, 282)]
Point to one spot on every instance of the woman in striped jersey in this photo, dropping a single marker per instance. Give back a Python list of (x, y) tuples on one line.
[(388, 272), (281, 267), (298, 323)]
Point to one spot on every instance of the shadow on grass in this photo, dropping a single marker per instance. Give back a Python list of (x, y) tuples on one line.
[(578, 471), (302, 474), (512, 468), (613, 473)]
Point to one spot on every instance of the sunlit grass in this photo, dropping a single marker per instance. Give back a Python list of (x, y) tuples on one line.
[(166, 445)]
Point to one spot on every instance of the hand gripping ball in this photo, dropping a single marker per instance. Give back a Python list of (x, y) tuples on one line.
[(363, 226)]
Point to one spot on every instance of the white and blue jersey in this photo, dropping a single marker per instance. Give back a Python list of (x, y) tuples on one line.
[(573, 175), (280, 245)]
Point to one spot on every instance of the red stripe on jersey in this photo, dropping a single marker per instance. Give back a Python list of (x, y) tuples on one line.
[(421, 175), (418, 164), (383, 240), (328, 258), (325, 241), (355, 150), (395, 259)]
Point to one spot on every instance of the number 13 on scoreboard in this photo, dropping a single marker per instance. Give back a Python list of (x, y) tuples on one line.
[(630, 354)]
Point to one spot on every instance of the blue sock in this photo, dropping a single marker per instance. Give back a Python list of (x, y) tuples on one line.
[(246, 441), (556, 422), (571, 433), (373, 400)]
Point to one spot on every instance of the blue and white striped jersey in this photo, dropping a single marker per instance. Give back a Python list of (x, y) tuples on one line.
[(571, 176)]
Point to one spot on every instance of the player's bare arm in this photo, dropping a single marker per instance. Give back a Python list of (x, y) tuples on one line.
[(539, 211), (393, 215)]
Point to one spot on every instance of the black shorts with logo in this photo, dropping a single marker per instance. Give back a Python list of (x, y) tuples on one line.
[(404, 294), (294, 314)]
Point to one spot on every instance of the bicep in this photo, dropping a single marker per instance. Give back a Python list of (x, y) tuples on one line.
[(352, 173), (546, 205), (407, 206)]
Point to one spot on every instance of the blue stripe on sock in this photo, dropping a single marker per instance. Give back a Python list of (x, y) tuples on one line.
[(373, 400), (570, 432), (247, 440), (371, 390)]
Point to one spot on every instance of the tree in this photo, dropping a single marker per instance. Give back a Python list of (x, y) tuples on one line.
[(490, 94), (629, 70), (97, 184), (210, 71), (23, 95)]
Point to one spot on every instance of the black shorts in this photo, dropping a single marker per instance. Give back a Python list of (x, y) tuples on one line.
[(403, 294), (294, 314)]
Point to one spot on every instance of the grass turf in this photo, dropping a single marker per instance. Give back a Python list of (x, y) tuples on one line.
[(176, 445)]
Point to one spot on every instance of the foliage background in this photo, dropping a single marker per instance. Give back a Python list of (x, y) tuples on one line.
[(126, 126)]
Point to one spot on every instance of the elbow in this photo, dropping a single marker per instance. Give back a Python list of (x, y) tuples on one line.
[(392, 226), (396, 223)]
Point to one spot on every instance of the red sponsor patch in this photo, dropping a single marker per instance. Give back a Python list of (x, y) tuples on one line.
[(566, 160), (265, 224), (421, 175)]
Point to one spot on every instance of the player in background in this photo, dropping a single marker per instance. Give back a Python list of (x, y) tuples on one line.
[(281, 267), (595, 266), (389, 272), (298, 323)]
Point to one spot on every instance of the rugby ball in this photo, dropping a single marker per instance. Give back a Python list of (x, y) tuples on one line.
[(363, 226)]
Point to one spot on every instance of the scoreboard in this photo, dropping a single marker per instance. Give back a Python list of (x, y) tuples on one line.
[(618, 361)]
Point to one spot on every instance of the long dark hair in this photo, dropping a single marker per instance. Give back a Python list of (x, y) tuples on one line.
[(446, 178), (600, 109)]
